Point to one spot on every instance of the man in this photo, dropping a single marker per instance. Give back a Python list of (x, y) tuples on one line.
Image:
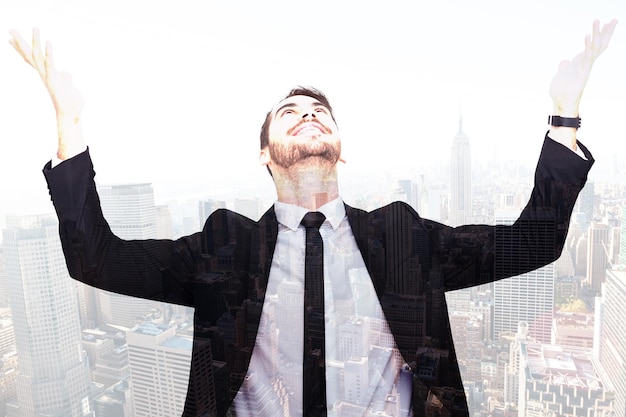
[(321, 306)]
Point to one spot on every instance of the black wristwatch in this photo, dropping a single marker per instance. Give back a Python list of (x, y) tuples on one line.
[(559, 121)]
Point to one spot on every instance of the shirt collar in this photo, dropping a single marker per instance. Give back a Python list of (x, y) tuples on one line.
[(290, 215)]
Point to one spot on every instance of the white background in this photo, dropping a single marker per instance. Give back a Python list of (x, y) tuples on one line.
[(175, 92)]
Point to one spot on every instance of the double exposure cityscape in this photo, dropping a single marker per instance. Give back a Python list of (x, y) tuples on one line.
[(548, 343)]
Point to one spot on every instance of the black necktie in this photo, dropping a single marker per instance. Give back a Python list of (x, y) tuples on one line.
[(314, 369)]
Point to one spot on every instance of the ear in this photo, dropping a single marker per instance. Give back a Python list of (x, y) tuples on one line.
[(264, 156)]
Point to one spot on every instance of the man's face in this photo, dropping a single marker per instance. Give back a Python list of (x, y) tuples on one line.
[(303, 130)]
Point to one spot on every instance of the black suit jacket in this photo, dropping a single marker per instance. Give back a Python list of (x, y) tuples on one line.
[(223, 270)]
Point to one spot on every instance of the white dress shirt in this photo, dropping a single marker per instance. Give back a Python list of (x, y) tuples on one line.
[(363, 365)]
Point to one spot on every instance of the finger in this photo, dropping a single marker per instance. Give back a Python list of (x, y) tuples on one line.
[(49, 61), (592, 39), (21, 46), (596, 28), (607, 33), (601, 37), (36, 53)]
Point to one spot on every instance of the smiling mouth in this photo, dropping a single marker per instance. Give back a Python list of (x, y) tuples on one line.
[(309, 128)]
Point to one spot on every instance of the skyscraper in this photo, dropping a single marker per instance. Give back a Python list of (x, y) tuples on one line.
[(597, 254), (129, 210), (584, 204), (560, 381), (131, 214), (609, 338), (4, 292), (398, 193), (53, 374), (249, 207), (159, 366), (622, 240), (206, 207), (528, 297), (410, 189), (460, 180)]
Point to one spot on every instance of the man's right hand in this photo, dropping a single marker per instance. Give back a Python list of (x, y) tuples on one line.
[(67, 101)]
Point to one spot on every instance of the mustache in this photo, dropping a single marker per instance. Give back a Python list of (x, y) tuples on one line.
[(315, 122)]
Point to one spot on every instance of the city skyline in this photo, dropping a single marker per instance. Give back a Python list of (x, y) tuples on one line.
[(469, 306), (409, 94)]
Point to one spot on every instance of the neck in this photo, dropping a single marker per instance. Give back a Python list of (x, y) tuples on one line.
[(306, 186)]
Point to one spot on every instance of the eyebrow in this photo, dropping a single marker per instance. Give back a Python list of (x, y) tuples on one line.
[(289, 105)]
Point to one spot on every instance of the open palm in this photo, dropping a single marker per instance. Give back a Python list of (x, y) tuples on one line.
[(569, 82)]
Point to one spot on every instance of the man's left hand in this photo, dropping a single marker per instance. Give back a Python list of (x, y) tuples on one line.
[(569, 82)]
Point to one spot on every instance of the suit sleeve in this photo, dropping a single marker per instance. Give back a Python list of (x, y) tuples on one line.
[(154, 269), (476, 254)]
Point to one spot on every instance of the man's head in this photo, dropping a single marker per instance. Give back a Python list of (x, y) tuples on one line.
[(300, 127)]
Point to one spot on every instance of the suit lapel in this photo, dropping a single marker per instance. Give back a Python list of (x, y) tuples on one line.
[(358, 223)]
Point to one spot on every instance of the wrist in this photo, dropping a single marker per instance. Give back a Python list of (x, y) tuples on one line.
[(70, 133), (570, 110), (67, 118), (566, 136)]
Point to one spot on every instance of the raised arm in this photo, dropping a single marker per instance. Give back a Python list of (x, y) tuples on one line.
[(569, 82), (155, 269), (66, 99)]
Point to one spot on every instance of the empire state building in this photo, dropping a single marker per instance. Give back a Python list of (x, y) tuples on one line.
[(460, 180)]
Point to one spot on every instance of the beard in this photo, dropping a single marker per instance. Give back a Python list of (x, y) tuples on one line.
[(287, 156)]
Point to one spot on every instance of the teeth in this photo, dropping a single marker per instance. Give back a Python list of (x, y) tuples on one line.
[(309, 129)]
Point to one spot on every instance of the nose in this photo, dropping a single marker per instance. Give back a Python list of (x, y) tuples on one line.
[(308, 116)]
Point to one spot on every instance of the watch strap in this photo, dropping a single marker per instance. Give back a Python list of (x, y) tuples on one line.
[(559, 121)]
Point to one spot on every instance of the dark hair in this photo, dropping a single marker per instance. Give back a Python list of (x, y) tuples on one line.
[(297, 91)]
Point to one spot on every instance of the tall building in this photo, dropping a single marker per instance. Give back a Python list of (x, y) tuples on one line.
[(8, 374), (622, 240), (610, 336), (573, 330), (580, 266), (561, 382), (584, 204), (249, 207), (130, 211), (597, 254), (112, 367), (411, 191), (7, 334), (159, 367), (4, 291), (512, 367), (615, 235), (398, 193), (354, 338), (431, 204), (356, 379), (165, 229), (528, 297), (460, 180), (206, 207), (53, 377), (114, 402)]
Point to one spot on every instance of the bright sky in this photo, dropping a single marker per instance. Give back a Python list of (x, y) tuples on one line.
[(175, 92)]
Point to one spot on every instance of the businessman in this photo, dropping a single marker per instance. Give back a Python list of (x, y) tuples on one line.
[(322, 307)]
